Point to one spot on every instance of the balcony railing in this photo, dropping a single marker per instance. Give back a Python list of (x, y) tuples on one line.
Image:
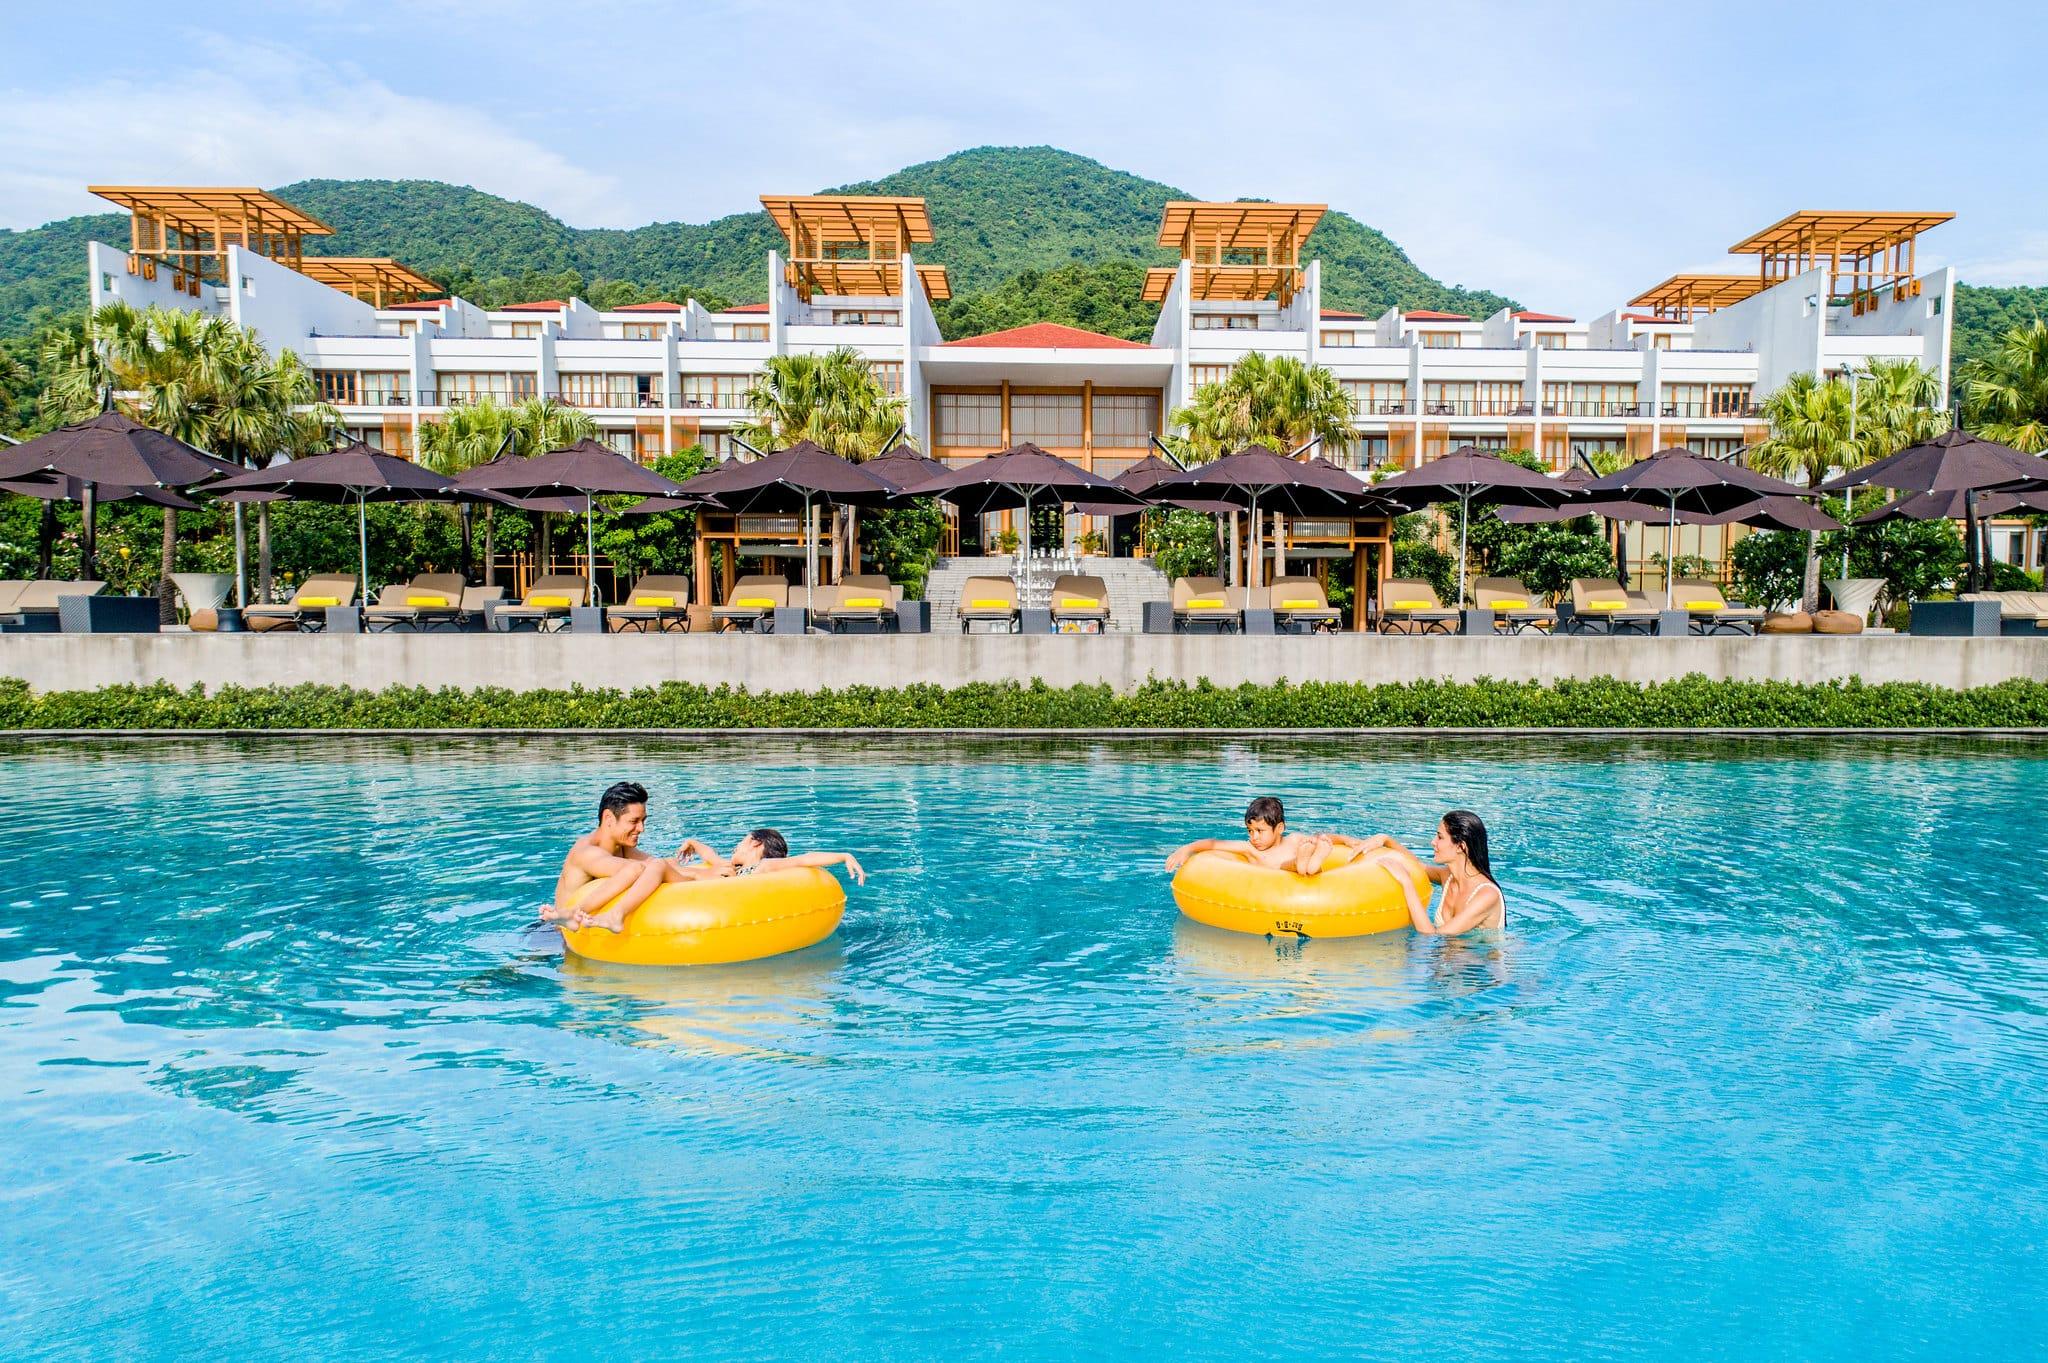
[(1370, 407), (609, 400), (1478, 407), (369, 398), (469, 397)]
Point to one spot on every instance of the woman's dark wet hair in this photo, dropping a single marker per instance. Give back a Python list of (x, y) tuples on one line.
[(1466, 830), (619, 797), (773, 844)]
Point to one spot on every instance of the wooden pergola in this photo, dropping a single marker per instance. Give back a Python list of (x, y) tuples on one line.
[(1236, 252), (188, 229), (852, 245), (1686, 296), (377, 280), (1865, 253)]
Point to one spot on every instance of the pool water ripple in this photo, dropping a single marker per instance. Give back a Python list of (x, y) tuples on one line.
[(1756, 1071)]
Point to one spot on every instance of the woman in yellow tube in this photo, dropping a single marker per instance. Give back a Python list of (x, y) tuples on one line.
[(1471, 900)]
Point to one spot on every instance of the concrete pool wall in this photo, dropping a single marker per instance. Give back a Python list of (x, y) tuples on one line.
[(75, 662)]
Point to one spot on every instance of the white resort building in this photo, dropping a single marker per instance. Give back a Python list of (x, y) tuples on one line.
[(1683, 363)]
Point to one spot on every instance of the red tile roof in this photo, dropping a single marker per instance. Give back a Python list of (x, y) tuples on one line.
[(1541, 317), (418, 305), (1438, 316), (745, 307), (1050, 336), (540, 305), (1332, 315), (656, 306)]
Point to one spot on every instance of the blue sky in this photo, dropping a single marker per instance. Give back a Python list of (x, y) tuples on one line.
[(1569, 155)]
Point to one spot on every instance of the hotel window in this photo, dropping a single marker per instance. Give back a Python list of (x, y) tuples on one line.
[(1496, 444), (456, 389), (864, 317), (1557, 449), (408, 326), (385, 388), (342, 387), (640, 331), (1589, 399), (888, 373), (1052, 419), (609, 390), (1499, 397), (716, 390), (1377, 397), (1597, 447), (1728, 399), (1714, 446), (1550, 340), (517, 331), (968, 420), (718, 444), (1224, 321), (1202, 375), (1442, 340), (1341, 340), (1362, 452), (1124, 420), (750, 331), (1660, 340), (1449, 398), (1684, 400), (398, 441)]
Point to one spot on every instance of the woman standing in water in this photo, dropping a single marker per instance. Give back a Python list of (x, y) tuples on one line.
[(1471, 898)]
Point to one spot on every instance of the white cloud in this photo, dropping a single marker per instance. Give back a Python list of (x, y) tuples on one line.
[(261, 115), (2022, 259)]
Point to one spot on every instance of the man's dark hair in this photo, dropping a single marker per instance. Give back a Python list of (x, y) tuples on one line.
[(773, 844), (1266, 810), (620, 797)]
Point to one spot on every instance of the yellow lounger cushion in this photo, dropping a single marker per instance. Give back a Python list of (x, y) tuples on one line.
[(308, 602), (427, 599), (1607, 605), (547, 600), (862, 603), (989, 603), (1410, 606), (759, 603), (1301, 604), (1207, 603), (1704, 605), (1079, 603), (1510, 603), (654, 600)]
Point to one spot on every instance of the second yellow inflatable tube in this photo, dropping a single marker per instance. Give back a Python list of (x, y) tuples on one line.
[(1349, 899), (707, 922)]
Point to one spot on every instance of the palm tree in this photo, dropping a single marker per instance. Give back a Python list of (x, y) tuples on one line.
[(544, 424), (833, 400), (2005, 393), (1278, 402), (466, 437), (1811, 420)]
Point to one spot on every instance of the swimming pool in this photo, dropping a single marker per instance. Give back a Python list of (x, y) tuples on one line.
[(1756, 1072)]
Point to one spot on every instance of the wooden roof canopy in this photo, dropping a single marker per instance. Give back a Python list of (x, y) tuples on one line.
[(1686, 296), (852, 244), (1237, 251), (377, 280), (189, 228), (1865, 253)]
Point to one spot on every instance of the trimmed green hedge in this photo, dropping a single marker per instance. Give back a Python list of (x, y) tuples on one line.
[(1693, 702)]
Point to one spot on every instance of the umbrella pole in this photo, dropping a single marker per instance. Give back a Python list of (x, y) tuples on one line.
[(1255, 548), (1464, 528), (1670, 541), (1024, 536), (1970, 540), (363, 539), (810, 554), (241, 557), (589, 550), (89, 535)]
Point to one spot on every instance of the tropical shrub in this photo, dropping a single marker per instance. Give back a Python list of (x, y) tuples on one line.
[(1182, 543)]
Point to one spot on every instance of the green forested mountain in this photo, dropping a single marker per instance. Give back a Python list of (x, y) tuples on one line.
[(1984, 314), (1028, 233)]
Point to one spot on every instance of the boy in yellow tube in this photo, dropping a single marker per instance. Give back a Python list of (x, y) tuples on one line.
[(1266, 841)]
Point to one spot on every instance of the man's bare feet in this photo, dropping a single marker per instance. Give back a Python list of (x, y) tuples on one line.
[(555, 913), (611, 920)]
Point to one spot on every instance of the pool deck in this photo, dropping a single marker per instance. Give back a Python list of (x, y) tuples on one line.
[(68, 662)]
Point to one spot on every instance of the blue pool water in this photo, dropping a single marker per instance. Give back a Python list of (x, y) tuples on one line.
[(1756, 1071)]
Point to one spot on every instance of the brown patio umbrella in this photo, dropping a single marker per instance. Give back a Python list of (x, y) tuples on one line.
[(1471, 475), (587, 469), (110, 448), (1256, 475), (1954, 461), (905, 467), (62, 489), (355, 472), (1950, 506), (1683, 480), (1021, 477), (797, 479), (1140, 478)]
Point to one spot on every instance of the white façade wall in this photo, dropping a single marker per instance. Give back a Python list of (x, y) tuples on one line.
[(111, 283), (1928, 322), (284, 307), (1779, 324), (920, 328)]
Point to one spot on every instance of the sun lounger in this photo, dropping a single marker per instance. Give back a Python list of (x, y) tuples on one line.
[(1300, 606), (1204, 604), (2019, 613), (1409, 605), (1708, 610), (753, 603), (306, 612), (1080, 604), (476, 606), (33, 607), (429, 601), (864, 602), (1515, 608), (658, 602), (988, 601), (10, 592), (1601, 607), (546, 605)]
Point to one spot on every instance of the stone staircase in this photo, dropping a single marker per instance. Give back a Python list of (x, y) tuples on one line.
[(1131, 583)]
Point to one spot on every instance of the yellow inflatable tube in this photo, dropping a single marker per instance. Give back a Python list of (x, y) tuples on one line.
[(1349, 899), (705, 922)]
